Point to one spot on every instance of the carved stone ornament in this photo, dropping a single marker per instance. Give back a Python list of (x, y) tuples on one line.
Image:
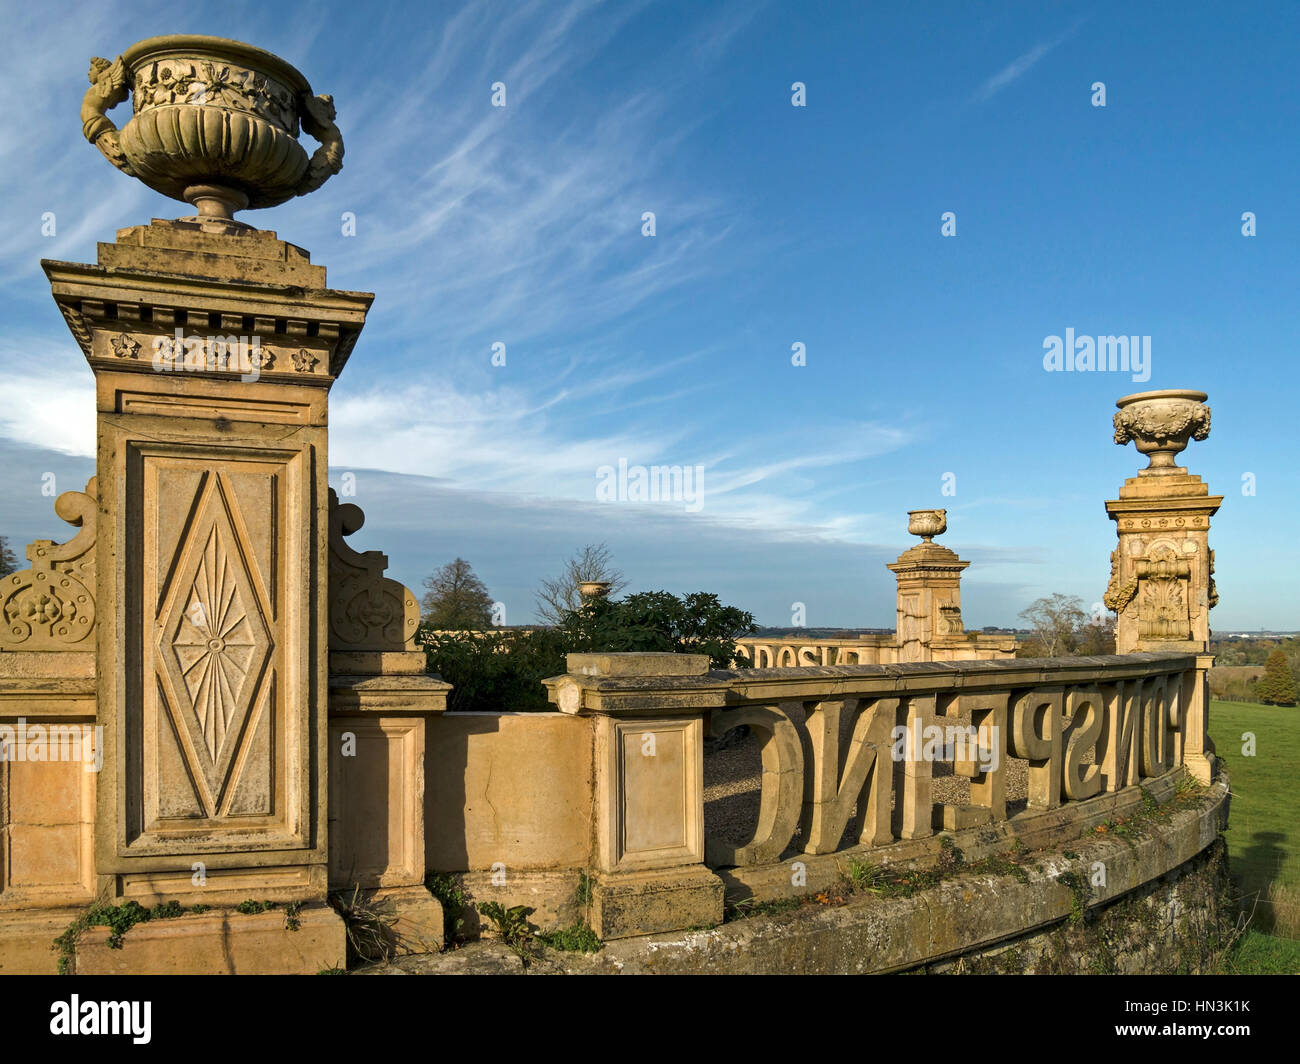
[(367, 610), (950, 622), (51, 606), (1118, 592), (1163, 584), (215, 124), (125, 346), (1161, 424), (927, 523)]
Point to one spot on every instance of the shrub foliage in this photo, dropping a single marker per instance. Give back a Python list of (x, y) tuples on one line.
[(503, 670)]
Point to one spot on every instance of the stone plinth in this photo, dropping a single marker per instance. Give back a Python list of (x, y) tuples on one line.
[(213, 356), (1162, 571), (648, 712), (929, 591)]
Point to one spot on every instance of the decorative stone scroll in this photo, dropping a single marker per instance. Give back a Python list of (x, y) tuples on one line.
[(51, 606), (369, 613)]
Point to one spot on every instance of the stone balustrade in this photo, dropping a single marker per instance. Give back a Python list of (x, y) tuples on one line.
[(856, 747), (861, 743)]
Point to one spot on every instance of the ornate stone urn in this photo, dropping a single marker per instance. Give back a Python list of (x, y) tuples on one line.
[(215, 124), (1160, 424), (927, 523)]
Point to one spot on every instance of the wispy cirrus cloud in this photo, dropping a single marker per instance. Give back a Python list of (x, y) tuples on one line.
[(1022, 65)]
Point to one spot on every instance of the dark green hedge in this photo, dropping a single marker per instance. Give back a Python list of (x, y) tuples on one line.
[(503, 670)]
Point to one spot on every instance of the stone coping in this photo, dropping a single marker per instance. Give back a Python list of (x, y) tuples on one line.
[(637, 664), (389, 695), (637, 694), (812, 681)]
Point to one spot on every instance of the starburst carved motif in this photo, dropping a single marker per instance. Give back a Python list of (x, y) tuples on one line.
[(216, 644)]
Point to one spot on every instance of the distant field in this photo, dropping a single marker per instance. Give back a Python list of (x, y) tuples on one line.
[(1264, 819)]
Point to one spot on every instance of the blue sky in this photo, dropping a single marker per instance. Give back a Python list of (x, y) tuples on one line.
[(774, 225)]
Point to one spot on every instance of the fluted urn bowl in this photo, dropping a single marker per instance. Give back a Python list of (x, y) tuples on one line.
[(927, 523), (214, 122), (1160, 424)]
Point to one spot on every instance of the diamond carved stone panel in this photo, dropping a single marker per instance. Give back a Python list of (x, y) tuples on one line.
[(221, 567), (214, 644)]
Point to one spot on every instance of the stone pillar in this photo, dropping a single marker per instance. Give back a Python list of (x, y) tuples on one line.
[(213, 355), (1162, 569), (929, 588), (379, 704), (648, 841)]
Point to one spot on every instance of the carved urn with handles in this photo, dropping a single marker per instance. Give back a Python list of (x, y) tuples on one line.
[(927, 523), (1160, 424), (215, 123)]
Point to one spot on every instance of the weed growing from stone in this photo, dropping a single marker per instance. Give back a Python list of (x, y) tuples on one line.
[(369, 926), (753, 907), (576, 939), (119, 919), (1004, 864), (1080, 893), (512, 926), (447, 889), (864, 876)]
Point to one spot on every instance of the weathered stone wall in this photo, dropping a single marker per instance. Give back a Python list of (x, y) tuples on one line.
[(1035, 909), (1178, 924), (508, 788)]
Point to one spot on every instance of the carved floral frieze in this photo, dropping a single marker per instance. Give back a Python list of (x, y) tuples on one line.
[(187, 81)]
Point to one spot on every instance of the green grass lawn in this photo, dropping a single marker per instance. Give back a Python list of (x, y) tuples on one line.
[(1264, 820), (1260, 954)]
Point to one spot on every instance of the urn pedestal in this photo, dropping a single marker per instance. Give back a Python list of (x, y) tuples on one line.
[(213, 357), (929, 588), (1162, 569)]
